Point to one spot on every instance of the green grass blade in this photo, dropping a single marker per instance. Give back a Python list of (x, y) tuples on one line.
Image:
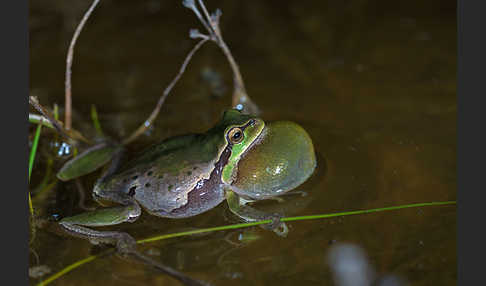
[(243, 225), (309, 217), (96, 122), (33, 151)]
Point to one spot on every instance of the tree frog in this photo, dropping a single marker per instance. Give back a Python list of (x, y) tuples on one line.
[(241, 159)]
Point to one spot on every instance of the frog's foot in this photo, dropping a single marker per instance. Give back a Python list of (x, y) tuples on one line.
[(247, 213), (277, 226), (125, 244), (78, 225)]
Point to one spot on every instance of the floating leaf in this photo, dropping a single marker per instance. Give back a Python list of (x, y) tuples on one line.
[(88, 161)]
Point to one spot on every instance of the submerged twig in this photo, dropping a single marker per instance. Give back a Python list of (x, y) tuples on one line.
[(69, 62), (186, 280), (147, 123), (241, 100)]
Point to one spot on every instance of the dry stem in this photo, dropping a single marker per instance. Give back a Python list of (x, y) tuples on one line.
[(69, 63)]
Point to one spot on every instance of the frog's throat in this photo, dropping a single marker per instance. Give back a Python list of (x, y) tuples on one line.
[(230, 169)]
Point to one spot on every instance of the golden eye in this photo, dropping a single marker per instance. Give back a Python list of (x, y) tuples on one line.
[(235, 135)]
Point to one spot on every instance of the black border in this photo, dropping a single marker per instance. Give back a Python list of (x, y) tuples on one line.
[(14, 175), (471, 145)]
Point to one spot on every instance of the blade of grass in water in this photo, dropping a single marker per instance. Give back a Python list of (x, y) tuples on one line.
[(96, 122), (33, 150), (243, 225)]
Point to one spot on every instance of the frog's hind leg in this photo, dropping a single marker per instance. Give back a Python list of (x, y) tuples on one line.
[(78, 226), (238, 206), (126, 245)]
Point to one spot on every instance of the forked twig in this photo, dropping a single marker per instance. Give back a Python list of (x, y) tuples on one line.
[(69, 63), (241, 100), (147, 123)]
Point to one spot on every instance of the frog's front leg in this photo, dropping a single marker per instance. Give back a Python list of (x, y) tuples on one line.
[(238, 206), (78, 226)]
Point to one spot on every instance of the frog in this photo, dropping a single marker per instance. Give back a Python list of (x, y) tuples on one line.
[(240, 160)]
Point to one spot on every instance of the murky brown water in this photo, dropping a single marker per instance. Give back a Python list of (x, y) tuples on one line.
[(374, 83)]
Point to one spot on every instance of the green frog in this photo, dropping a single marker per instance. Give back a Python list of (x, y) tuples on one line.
[(240, 160)]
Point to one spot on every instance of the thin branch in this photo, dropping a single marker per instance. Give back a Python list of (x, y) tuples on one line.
[(69, 63), (191, 5), (147, 123)]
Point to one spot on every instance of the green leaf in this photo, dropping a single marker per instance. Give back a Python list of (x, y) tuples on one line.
[(88, 161)]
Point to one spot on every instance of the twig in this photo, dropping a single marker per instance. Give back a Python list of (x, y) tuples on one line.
[(69, 62), (147, 123), (68, 134), (42, 110), (241, 100)]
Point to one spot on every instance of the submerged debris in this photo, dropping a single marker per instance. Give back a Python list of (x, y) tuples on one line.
[(39, 271)]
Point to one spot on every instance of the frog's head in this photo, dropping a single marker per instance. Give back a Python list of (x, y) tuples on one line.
[(241, 131), (266, 159)]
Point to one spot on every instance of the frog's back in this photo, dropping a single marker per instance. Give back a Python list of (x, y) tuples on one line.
[(161, 178)]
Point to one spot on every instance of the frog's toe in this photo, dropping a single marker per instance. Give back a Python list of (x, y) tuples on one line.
[(277, 226), (281, 230)]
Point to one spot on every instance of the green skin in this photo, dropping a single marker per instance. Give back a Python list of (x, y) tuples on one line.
[(239, 160)]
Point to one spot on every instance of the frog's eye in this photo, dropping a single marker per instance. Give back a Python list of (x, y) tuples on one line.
[(235, 135)]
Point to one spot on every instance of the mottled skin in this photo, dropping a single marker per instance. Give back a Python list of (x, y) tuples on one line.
[(240, 159)]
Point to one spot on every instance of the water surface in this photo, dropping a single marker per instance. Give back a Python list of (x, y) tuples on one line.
[(373, 82)]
